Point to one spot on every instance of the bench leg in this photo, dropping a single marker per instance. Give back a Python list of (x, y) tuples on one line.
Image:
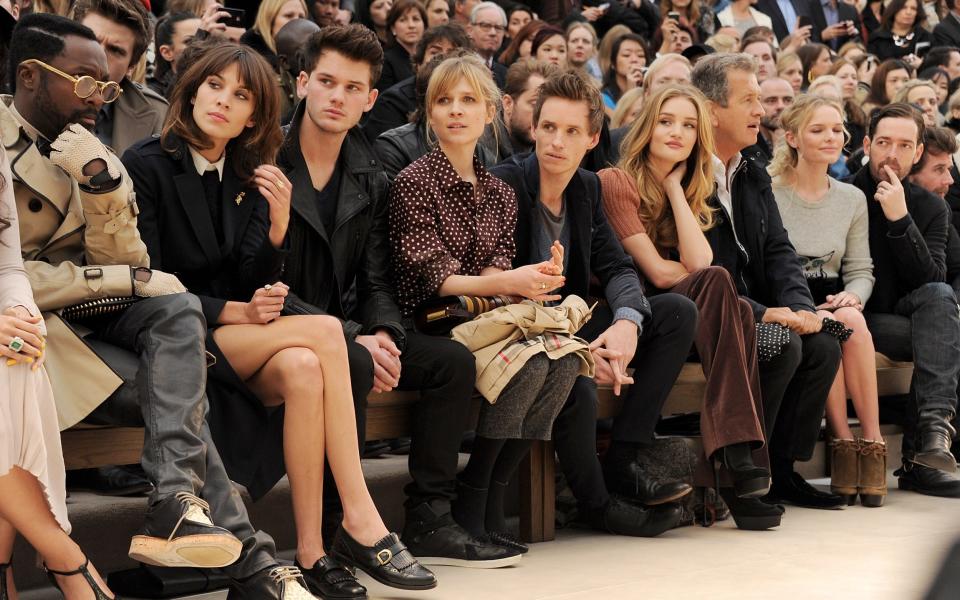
[(537, 494)]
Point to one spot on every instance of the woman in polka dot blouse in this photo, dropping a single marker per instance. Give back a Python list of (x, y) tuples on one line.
[(452, 230)]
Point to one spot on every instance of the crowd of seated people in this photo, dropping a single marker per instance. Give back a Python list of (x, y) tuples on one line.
[(271, 198)]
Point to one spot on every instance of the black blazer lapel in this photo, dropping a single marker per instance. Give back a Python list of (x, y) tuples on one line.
[(191, 196), (237, 204), (580, 221)]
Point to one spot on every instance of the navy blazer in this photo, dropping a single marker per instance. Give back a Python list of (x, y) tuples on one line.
[(175, 224), (594, 248), (780, 26)]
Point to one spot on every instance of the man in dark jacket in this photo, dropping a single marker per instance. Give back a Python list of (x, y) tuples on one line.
[(913, 312), (559, 201), (749, 240), (340, 265), (835, 22), (947, 31)]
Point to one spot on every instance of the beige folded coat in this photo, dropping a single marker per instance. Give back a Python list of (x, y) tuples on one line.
[(503, 340)]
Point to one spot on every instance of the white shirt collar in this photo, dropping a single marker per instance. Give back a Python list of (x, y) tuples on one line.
[(722, 173), (203, 165)]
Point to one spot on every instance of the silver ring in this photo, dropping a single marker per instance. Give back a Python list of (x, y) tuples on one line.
[(16, 344)]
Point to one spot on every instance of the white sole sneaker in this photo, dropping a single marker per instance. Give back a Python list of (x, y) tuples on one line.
[(446, 561)]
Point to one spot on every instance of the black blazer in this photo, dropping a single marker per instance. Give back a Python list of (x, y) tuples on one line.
[(594, 248), (175, 224), (780, 26), (882, 45), (845, 11), (947, 32), (396, 67)]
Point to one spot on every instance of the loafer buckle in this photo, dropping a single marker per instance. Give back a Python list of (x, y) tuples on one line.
[(384, 556)]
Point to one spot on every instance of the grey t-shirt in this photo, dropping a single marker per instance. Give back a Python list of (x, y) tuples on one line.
[(550, 227)]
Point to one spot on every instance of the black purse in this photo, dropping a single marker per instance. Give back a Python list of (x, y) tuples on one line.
[(772, 338), (438, 316), (91, 311)]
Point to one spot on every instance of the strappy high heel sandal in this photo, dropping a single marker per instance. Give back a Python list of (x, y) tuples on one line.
[(4, 592), (98, 592)]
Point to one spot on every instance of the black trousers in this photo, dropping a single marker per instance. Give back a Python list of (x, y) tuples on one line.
[(662, 349), (444, 372), (157, 347), (795, 387)]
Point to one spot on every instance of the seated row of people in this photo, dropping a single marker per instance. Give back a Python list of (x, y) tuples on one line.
[(303, 273)]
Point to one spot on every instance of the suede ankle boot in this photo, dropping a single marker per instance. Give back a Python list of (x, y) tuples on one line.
[(872, 486), (844, 469)]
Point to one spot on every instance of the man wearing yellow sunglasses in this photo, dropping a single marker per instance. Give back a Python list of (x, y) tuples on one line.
[(78, 224)]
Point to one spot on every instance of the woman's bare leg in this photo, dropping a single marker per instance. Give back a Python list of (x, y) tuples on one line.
[(8, 535), (860, 372), (293, 377), (24, 506), (249, 347), (836, 412)]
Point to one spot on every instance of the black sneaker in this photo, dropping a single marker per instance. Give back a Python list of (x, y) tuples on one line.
[(179, 533), (438, 540)]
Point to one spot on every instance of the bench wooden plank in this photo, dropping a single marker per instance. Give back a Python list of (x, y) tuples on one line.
[(89, 448)]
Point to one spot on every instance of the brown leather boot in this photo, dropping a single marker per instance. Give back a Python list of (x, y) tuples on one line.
[(873, 473), (844, 469)]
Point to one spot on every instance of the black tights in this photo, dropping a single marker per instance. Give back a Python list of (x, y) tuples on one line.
[(483, 483)]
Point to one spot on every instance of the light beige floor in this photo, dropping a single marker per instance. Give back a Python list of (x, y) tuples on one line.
[(856, 553)]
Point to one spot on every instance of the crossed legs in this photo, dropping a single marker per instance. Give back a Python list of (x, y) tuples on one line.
[(301, 363)]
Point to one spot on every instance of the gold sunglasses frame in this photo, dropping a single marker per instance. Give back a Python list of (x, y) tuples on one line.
[(101, 85)]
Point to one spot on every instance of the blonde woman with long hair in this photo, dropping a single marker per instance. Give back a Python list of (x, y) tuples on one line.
[(452, 227), (828, 226), (657, 202)]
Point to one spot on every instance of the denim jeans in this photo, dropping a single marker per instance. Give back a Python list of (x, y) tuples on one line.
[(925, 329)]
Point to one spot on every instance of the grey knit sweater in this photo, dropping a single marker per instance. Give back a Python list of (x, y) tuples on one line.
[(831, 235)]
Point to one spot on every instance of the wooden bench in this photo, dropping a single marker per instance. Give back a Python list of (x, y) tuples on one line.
[(389, 416)]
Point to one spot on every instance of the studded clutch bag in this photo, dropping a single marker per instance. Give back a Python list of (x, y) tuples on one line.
[(99, 308)]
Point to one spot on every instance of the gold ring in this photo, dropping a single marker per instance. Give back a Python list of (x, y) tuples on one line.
[(543, 285), (279, 184)]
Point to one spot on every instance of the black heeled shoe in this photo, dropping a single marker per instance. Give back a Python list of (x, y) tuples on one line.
[(98, 592), (388, 561), (749, 480), (751, 514), (4, 593)]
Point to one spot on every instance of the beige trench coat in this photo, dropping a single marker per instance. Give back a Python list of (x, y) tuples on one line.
[(76, 246), (503, 339)]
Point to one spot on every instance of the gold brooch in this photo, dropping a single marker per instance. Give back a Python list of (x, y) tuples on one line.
[(239, 198)]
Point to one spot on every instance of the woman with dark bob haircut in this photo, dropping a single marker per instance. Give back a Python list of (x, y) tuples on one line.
[(901, 34), (214, 209), (406, 22)]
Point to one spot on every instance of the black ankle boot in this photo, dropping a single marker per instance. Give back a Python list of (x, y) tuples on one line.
[(751, 513), (624, 475), (470, 508), (749, 480), (934, 437)]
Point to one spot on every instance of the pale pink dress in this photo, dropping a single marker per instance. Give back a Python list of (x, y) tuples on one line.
[(29, 435)]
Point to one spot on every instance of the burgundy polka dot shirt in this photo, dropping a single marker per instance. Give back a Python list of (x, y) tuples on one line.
[(439, 227)]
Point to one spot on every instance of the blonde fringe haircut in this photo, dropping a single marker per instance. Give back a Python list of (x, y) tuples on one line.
[(698, 182), (268, 11), (793, 119), (450, 72)]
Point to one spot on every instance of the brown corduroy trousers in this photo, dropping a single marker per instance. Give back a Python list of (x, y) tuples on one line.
[(732, 410)]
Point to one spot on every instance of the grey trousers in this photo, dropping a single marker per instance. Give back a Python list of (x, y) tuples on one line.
[(157, 348), (926, 330)]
